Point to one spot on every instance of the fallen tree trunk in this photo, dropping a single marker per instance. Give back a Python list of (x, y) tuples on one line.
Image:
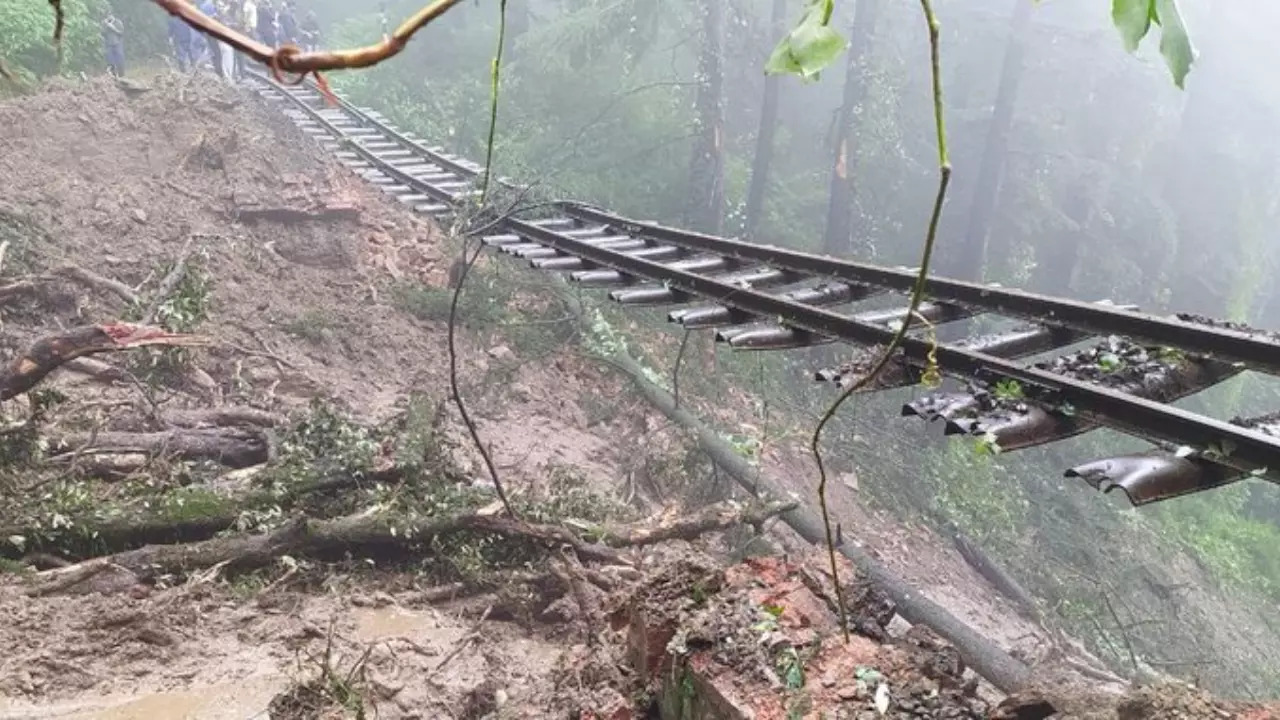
[(50, 353), (233, 447), (997, 666), (371, 535), (158, 525), (361, 534), (221, 417)]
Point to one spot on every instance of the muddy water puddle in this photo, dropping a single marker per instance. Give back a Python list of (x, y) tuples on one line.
[(239, 700)]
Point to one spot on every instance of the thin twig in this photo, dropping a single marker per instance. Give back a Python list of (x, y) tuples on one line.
[(466, 640), (456, 394), (1124, 634), (917, 294)]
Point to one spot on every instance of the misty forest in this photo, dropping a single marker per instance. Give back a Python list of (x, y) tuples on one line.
[(567, 359)]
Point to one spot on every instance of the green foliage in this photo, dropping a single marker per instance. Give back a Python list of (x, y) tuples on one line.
[(811, 46), (313, 325), (325, 441), (1237, 547), (1009, 390), (188, 305), (1134, 19), (26, 35)]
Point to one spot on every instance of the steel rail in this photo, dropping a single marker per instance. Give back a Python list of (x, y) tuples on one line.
[(1257, 352), (1135, 416), (1249, 450)]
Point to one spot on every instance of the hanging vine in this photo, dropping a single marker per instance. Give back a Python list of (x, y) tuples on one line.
[(917, 294)]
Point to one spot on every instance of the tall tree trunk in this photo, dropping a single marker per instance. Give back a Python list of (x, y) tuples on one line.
[(838, 237), (760, 165), (971, 255), (706, 192)]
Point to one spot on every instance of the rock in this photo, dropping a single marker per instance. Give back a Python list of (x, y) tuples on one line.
[(501, 352), (140, 216)]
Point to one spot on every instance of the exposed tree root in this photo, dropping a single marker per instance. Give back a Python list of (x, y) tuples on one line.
[(50, 353)]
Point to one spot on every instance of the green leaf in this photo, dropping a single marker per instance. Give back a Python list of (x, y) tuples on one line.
[(1175, 43), (810, 47), (1133, 19)]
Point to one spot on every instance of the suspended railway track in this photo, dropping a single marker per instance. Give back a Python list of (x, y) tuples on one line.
[(759, 297)]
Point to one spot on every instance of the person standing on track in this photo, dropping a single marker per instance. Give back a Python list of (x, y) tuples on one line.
[(113, 44), (288, 24), (311, 32), (180, 40), (248, 14), (213, 46), (267, 24), (227, 54)]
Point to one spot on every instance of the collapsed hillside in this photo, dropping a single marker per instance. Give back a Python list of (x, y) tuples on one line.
[(291, 515)]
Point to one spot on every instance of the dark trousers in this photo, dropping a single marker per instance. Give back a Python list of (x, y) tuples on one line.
[(115, 59), (215, 56)]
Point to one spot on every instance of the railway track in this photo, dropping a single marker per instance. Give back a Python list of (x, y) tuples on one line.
[(759, 297)]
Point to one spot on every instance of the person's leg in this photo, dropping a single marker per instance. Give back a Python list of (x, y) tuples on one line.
[(215, 57), (228, 62)]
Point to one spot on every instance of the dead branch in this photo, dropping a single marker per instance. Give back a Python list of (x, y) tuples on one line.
[(712, 518), (96, 369), (233, 447), (569, 572), (51, 352), (94, 280), (472, 635), (291, 59)]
